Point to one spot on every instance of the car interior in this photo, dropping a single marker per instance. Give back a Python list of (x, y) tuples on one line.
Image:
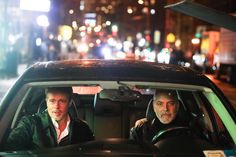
[(117, 117), (113, 117)]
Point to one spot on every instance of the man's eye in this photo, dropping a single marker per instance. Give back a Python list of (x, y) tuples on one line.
[(159, 103), (171, 103), (62, 101), (52, 101)]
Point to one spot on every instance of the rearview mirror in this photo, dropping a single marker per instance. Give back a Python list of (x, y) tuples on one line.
[(121, 94)]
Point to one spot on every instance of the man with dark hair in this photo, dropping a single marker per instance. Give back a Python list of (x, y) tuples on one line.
[(51, 128), (164, 115)]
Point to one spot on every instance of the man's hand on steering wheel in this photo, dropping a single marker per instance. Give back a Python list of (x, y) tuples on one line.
[(174, 131)]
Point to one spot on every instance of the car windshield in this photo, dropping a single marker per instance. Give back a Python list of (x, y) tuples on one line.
[(111, 108)]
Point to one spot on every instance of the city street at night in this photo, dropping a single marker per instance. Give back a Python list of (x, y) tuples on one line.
[(127, 78)]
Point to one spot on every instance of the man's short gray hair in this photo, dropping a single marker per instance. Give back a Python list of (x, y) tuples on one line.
[(168, 92)]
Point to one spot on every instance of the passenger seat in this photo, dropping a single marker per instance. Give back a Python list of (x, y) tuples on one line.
[(107, 118)]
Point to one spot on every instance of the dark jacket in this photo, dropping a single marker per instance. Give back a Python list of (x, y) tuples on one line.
[(37, 131), (149, 129)]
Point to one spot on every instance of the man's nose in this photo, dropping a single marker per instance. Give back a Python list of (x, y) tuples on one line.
[(165, 106), (56, 104)]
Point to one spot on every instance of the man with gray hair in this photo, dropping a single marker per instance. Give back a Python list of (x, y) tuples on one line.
[(166, 105), (162, 114)]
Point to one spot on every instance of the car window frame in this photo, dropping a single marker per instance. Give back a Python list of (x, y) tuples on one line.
[(18, 101), (12, 110), (222, 113)]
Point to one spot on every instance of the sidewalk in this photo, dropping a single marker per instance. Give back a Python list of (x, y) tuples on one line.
[(229, 90), (7, 82), (21, 69)]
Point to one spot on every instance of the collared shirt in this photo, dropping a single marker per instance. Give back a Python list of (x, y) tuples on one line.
[(64, 133)]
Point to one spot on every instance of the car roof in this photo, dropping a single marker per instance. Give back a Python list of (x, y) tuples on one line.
[(117, 70)]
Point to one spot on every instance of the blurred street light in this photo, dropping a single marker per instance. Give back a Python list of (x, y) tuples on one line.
[(65, 32), (106, 51), (141, 42), (178, 43), (140, 2), (114, 29), (81, 5), (41, 5), (74, 25), (42, 21), (38, 41), (152, 11), (98, 41), (82, 28), (129, 10), (71, 11), (108, 23), (83, 47), (195, 41), (97, 28), (12, 39), (170, 38)]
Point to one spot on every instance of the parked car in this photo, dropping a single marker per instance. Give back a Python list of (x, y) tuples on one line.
[(111, 95)]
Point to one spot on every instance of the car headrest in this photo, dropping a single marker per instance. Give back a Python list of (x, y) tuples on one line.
[(42, 106), (75, 99), (142, 102), (150, 114), (105, 107)]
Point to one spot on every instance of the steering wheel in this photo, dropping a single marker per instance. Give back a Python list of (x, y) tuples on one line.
[(169, 132)]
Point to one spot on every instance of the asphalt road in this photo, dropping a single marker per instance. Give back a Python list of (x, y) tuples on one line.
[(5, 84), (228, 89)]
